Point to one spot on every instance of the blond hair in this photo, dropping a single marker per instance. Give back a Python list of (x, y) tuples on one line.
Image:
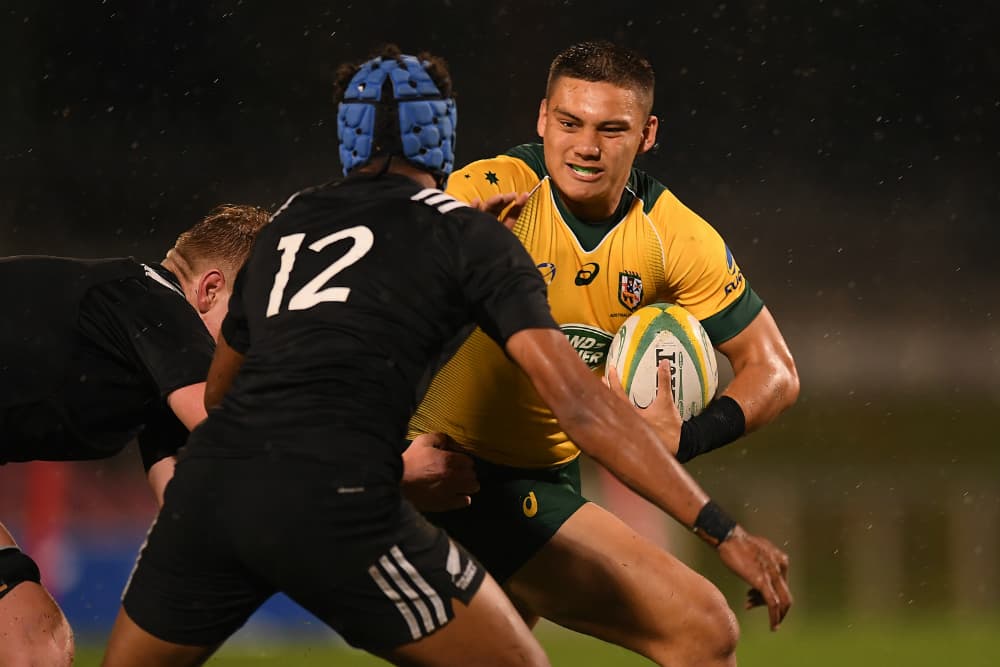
[(221, 239)]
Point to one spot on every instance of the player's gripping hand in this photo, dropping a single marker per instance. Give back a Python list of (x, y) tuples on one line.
[(662, 413), (435, 477), (763, 566), (506, 207)]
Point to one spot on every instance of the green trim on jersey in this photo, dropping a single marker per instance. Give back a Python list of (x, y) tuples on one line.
[(735, 318), (533, 156), (590, 234), (646, 188)]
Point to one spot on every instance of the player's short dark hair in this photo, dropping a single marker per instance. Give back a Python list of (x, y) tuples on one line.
[(601, 60), (225, 236)]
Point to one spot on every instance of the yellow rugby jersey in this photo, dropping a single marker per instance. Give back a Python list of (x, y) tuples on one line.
[(652, 249)]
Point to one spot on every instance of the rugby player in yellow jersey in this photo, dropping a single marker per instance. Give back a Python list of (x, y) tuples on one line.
[(608, 239)]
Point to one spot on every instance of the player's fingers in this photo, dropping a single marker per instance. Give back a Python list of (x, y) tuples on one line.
[(615, 383), (784, 595), (774, 611), (754, 599), (663, 379), (446, 442), (783, 564)]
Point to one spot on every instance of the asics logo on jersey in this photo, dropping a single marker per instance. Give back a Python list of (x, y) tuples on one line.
[(530, 505), (587, 273), (437, 199)]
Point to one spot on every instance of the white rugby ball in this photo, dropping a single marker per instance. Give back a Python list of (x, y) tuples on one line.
[(665, 331)]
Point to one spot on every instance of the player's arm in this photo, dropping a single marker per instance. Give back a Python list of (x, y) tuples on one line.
[(765, 381), (705, 279), (159, 475), (609, 431), (436, 477), (226, 363)]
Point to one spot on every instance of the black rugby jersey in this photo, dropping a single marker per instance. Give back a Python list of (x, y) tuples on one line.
[(352, 297), (89, 350)]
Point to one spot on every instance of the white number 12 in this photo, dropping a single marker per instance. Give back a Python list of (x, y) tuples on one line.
[(311, 293)]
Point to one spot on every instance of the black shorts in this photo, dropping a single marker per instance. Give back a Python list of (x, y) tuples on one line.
[(234, 531)]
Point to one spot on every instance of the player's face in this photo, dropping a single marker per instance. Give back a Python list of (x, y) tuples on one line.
[(592, 132)]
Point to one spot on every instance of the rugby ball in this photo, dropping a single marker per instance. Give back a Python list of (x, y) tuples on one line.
[(665, 331)]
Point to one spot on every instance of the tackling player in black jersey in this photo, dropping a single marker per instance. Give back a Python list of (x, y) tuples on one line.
[(95, 354), (351, 298)]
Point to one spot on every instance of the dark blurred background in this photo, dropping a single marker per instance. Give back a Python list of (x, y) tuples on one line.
[(847, 150)]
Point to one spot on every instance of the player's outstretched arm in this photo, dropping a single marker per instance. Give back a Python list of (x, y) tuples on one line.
[(505, 207), (607, 429)]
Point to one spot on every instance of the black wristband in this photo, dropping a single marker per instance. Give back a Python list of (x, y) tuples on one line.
[(719, 424), (713, 525)]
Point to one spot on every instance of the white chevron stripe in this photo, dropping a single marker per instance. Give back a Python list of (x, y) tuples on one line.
[(408, 592), (404, 609), (421, 583), (150, 273)]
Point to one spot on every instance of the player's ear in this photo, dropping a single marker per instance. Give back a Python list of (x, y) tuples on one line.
[(542, 113), (211, 288), (649, 134)]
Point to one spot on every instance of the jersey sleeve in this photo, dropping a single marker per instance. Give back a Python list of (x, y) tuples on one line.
[(162, 435), (153, 327), (484, 178), (500, 281), (701, 272), (234, 326)]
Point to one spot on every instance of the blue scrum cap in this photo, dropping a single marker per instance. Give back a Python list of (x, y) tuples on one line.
[(425, 133)]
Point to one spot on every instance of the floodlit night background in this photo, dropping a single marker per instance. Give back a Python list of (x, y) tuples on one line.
[(848, 151)]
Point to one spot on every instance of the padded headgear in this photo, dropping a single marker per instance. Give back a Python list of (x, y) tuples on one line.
[(425, 131)]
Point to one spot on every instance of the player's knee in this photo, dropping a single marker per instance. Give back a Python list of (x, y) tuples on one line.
[(718, 631), (45, 640), (42, 635)]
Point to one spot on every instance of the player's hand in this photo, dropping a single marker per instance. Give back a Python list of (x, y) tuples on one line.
[(662, 413), (763, 566), (435, 477), (506, 207)]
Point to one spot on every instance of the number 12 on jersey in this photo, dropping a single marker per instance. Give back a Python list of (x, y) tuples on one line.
[(313, 292)]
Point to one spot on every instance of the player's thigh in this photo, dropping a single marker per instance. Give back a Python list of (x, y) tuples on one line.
[(599, 577), (131, 646), (514, 514), (405, 580), (190, 585), (487, 633)]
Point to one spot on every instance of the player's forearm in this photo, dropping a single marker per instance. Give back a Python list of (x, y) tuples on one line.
[(159, 474), (633, 452), (764, 389)]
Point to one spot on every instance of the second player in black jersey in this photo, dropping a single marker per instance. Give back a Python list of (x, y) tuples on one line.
[(96, 353)]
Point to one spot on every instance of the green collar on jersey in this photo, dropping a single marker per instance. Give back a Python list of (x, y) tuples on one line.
[(640, 185)]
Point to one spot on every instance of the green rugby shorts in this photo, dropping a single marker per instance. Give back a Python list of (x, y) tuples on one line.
[(515, 513)]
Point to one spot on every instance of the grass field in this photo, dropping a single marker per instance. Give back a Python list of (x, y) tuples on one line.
[(813, 642)]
